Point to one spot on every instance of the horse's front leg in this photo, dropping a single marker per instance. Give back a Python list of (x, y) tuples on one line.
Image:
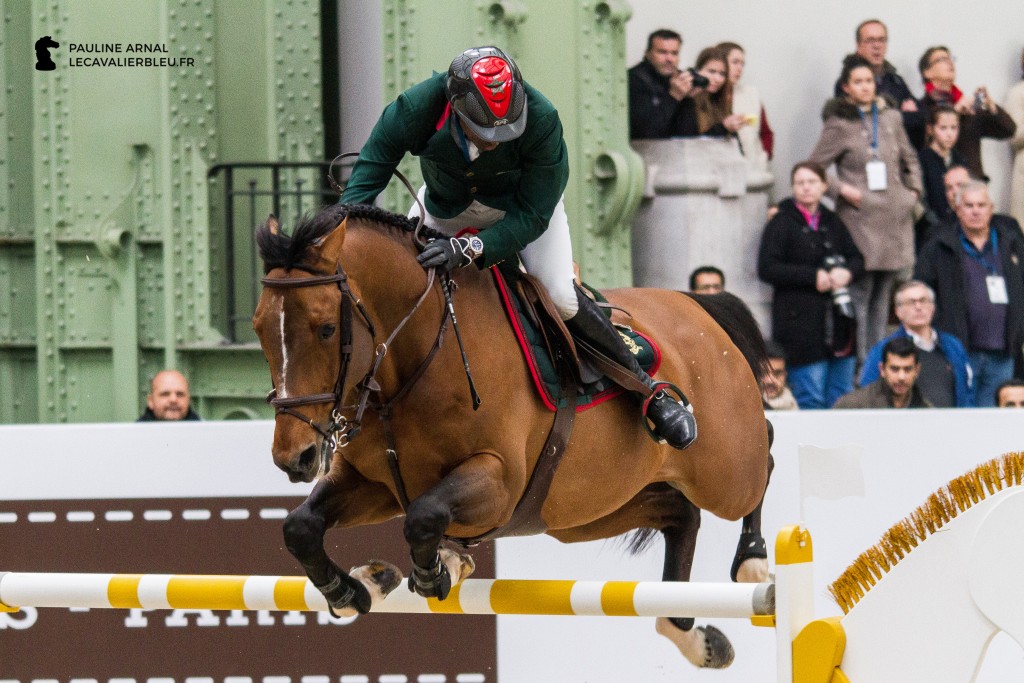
[(471, 495), (343, 500)]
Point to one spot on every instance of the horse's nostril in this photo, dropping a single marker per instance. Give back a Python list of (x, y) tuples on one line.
[(306, 459)]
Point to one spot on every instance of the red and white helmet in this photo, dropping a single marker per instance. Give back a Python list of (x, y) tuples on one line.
[(486, 91)]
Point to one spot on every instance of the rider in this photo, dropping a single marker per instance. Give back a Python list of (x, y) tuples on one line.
[(498, 164)]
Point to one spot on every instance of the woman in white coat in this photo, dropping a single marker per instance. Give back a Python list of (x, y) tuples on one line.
[(756, 138)]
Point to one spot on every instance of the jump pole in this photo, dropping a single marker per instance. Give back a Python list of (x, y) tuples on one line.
[(472, 596)]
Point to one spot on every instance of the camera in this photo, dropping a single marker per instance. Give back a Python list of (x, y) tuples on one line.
[(840, 295), (979, 101), (698, 80)]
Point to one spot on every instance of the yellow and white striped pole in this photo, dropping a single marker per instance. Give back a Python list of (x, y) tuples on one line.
[(473, 596)]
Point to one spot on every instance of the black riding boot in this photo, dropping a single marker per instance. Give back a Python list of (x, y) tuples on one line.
[(672, 421)]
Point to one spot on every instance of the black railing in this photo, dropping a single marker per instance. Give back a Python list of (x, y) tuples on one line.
[(248, 193)]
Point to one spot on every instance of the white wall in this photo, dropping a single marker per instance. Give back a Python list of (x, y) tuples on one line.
[(795, 47)]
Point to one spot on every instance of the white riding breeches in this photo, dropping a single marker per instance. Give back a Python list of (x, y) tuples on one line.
[(548, 258)]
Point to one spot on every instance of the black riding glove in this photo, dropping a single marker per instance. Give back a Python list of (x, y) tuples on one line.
[(448, 254)]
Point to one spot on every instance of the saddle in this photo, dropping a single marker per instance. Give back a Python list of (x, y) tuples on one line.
[(558, 373), (544, 340)]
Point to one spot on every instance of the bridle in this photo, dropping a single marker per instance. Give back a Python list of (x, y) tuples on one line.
[(338, 431)]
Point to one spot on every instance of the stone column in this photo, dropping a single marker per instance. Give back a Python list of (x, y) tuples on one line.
[(703, 205)]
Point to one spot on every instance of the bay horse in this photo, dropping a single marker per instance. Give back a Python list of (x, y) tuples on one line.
[(344, 293)]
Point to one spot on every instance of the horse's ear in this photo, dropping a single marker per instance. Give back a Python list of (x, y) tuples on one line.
[(272, 225), (330, 244)]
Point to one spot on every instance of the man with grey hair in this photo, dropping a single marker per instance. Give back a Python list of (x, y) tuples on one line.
[(946, 377), (976, 268)]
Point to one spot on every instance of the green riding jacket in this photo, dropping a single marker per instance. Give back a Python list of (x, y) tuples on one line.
[(524, 177)]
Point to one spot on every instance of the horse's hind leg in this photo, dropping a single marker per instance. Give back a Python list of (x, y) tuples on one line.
[(750, 564), (471, 495), (662, 507), (325, 507)]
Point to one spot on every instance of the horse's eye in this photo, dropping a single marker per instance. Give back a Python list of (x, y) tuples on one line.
[(327, 331)]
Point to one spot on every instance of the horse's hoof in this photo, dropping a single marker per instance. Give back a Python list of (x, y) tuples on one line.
[(705, 646), (718, 652), (460, 566), (379, 578)]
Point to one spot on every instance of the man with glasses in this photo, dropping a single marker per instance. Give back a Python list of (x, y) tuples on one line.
[(946, 378), (872, 44), (980, 116), (976, 268)]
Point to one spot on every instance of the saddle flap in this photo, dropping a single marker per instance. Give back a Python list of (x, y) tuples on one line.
[(542, 310)]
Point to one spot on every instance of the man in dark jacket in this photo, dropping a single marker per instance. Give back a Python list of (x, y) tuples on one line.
[(872, 44), (168, 398), (976, 267), (660, 105), (897, 385), (493, 158)]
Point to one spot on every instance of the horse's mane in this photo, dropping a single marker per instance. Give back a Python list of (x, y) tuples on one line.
[(942, 506), (280, 250)]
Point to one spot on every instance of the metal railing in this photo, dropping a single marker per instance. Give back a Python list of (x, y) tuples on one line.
[(248, 193)]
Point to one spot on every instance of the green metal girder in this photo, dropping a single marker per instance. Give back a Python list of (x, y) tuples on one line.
[(107, 254)]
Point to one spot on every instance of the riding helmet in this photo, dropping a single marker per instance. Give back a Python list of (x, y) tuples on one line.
[(486, 91)]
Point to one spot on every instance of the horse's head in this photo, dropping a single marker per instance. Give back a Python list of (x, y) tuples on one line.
[(304, 324)]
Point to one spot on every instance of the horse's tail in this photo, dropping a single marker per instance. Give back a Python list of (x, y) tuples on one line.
[(733, 316)]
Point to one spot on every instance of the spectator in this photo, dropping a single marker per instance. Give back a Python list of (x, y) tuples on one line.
[(660, 105), (713, 102), (878, 187), (707, 280), (815, 333), (757, 140), (946, 377), (1015, 108), (872, 44), (1010, 394), (953, 182), (896, 386), (168, 398), (980, 117), (976, 267), (936, 159), (776, 392)]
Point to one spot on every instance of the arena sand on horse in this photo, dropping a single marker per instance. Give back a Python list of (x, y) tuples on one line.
[(347, 278)]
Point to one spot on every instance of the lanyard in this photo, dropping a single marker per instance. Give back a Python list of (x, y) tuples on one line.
[(874, 126), (979, 256)]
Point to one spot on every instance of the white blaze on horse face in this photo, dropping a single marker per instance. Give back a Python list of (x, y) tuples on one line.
[(282, 391)]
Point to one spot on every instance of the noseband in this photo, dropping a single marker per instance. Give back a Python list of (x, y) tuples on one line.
[(338, 431)]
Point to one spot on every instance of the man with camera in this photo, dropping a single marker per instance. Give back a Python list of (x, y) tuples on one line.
[(660, 105), (946, 377)]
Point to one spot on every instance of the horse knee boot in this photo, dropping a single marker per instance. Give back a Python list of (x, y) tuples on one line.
[(673, 422)]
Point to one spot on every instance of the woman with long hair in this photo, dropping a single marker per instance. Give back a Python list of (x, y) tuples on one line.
[(713, 102)]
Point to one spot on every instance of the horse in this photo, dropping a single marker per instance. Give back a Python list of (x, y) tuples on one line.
[(343, 291)]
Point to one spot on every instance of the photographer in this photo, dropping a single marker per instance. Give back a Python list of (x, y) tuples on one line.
[(712, 95), (660, 105), (808, 256)]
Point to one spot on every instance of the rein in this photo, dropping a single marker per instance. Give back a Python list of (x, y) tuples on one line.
[(338, 431)]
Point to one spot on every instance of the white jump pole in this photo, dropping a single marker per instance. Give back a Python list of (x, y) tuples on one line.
[(472, 596)]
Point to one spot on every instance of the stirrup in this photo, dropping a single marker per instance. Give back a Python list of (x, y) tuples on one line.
[(660, 389)]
